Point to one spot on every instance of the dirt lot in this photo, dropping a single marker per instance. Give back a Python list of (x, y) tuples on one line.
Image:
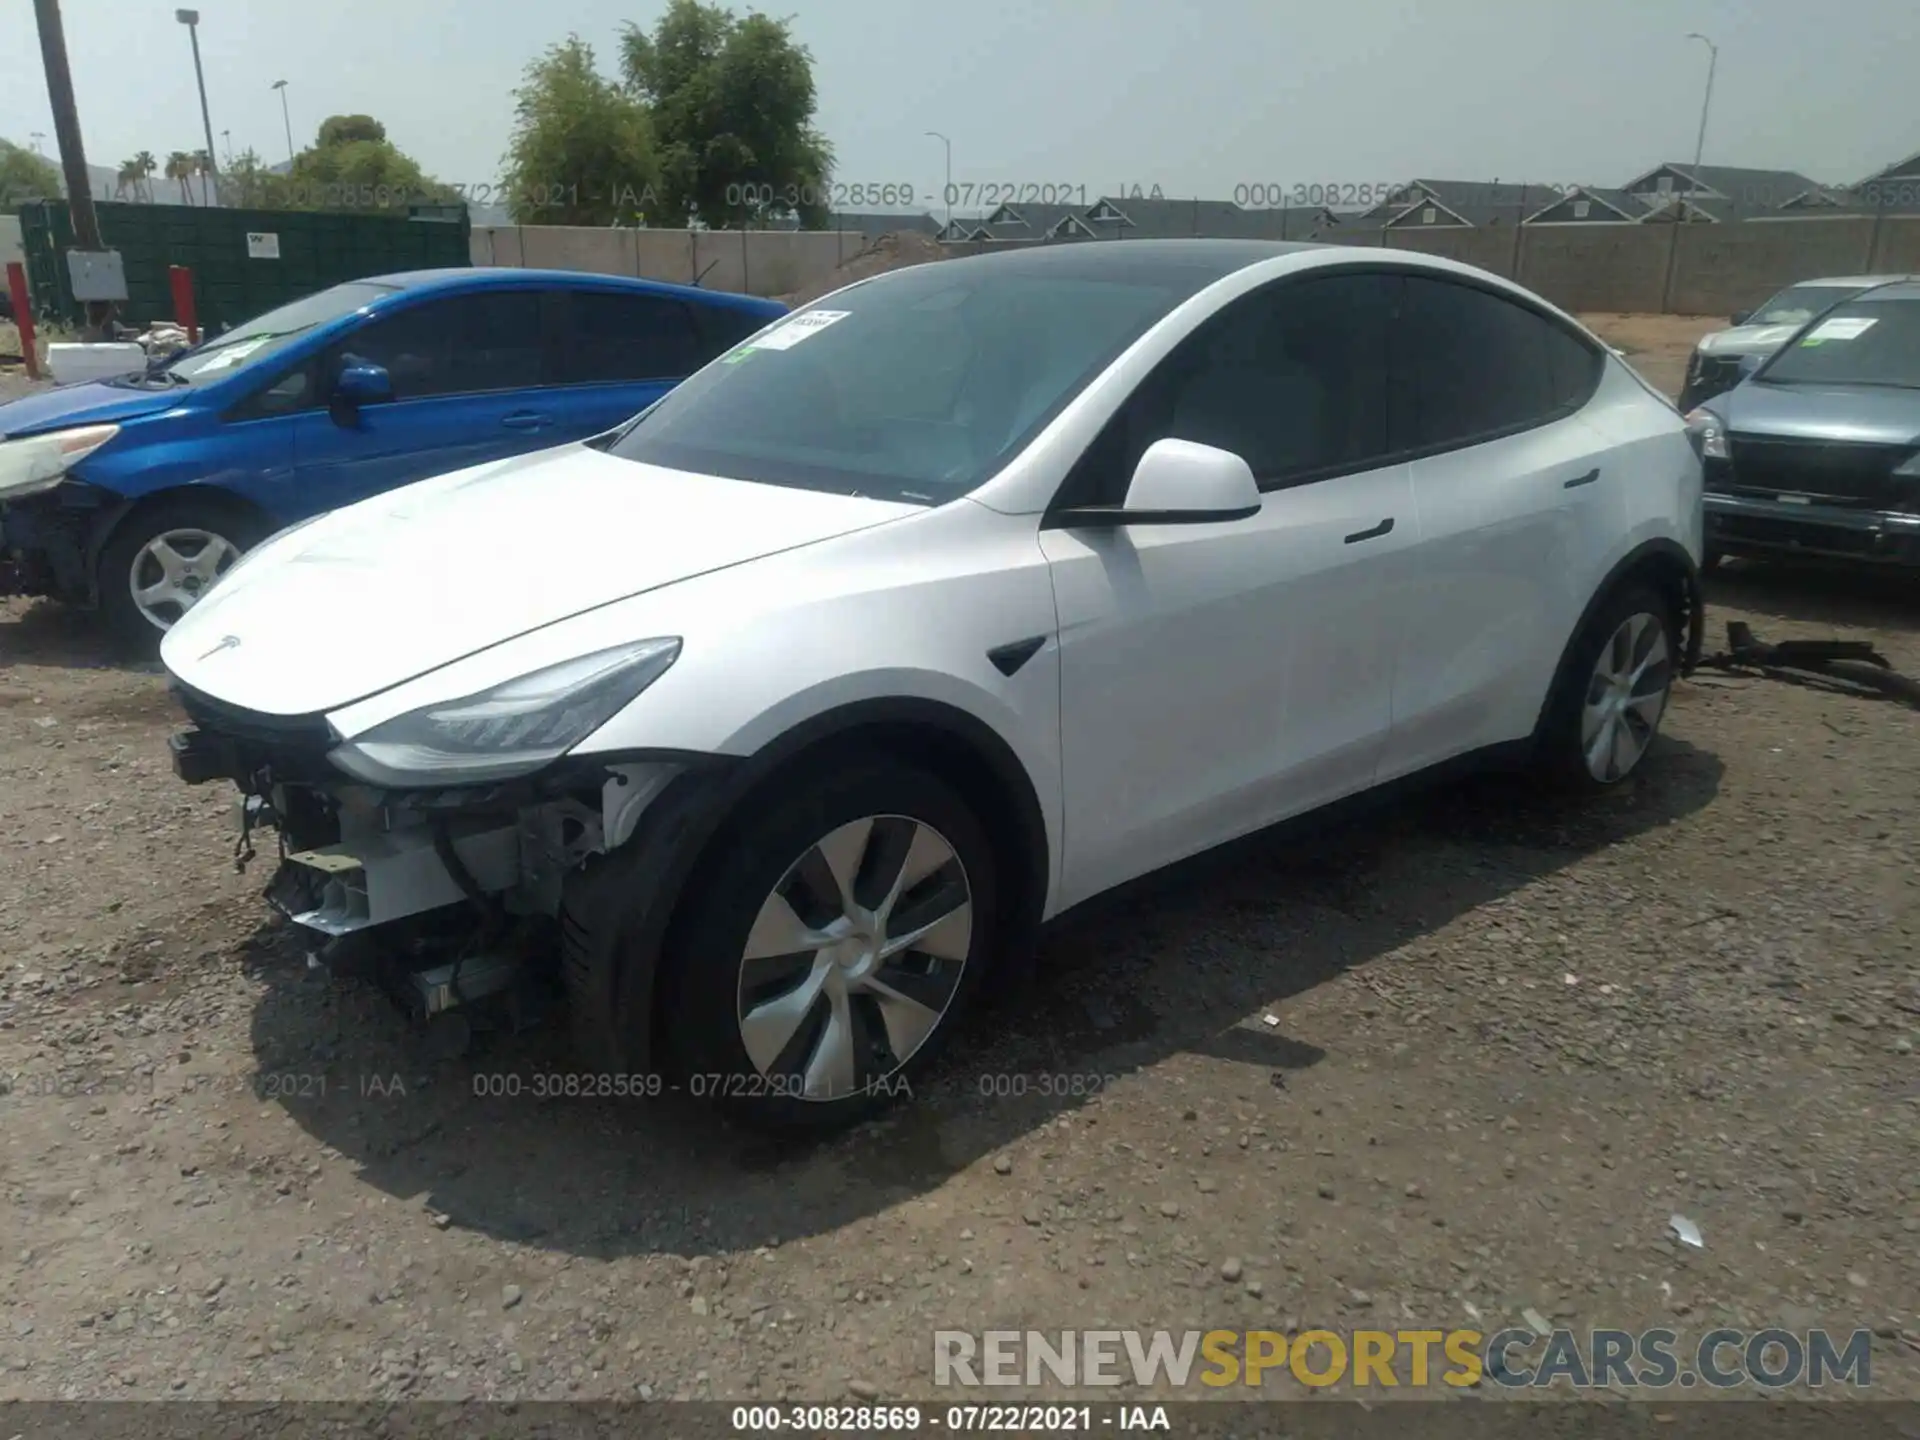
[(1510, 1039)]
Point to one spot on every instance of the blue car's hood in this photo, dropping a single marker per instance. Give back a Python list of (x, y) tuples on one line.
[(1866, 414), (89, 403)]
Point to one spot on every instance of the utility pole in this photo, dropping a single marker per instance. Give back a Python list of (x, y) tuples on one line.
[(191, 19), (66, 126), (1706, 102), (73, 159), (286, 119), (947, 193)]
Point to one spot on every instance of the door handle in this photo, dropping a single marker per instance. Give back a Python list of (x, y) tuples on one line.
[(1586, 479), (1385, 527), (526, 420)]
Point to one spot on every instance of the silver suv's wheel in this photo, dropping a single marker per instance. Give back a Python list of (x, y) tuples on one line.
[(855, 957), (1626, 696), (829, 940), (1612, 690)]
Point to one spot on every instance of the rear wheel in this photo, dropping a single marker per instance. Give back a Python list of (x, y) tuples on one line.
[(1613, 691), (823, 956), (162, 559)]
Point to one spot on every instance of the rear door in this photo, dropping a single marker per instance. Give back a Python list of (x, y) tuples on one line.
[(466, 371), (613, 353), (1516, 494)]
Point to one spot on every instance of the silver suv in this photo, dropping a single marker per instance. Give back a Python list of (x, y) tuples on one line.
[(1716, 364)]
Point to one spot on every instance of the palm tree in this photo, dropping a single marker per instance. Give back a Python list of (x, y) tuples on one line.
[(180, 170), (128, 174), (203, 167), (146, 165)]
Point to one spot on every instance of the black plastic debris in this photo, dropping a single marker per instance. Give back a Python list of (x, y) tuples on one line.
[(1848, 666)]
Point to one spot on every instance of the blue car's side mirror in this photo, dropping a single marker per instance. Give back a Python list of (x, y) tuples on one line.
[(363, 384)]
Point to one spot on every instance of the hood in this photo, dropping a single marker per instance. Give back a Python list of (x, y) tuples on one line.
[(383, 591), (88, 403), (1865, 414), (1747, 340)]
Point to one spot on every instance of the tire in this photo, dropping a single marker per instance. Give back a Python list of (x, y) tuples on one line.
[(759, 1035), (204, 535), (1629, 634)]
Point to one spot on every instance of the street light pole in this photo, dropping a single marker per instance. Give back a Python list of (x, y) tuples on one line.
[(287, 119), (947, 193), (1706, 102), (191, 19)]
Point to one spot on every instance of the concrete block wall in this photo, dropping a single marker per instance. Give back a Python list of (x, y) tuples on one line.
[(1683, 269), (754, 262)]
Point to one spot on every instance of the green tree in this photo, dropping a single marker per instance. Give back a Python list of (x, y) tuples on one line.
[(732, 103), (25, 176), (250, 185), (345, 129), (145, 167), (353, 166), (582, 149), (180, 169)]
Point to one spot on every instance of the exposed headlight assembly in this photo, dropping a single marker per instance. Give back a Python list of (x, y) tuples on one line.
[(34, 463), (512, 729), (1708, 433)]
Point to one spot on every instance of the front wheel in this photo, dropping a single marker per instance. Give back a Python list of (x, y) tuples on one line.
[(161, 560), (1613, 691), (826, 952)]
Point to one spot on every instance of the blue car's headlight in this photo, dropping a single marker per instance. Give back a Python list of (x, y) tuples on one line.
[(39, 462), (510, 730)]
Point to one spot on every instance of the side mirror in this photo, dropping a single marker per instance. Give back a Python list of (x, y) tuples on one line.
[(1179, 477), (1740, 317), (363, 384), (1177, 482)]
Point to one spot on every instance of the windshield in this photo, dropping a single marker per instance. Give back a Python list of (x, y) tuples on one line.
[(256, 339), (1798, 304), (1864, 342), (917, 386)]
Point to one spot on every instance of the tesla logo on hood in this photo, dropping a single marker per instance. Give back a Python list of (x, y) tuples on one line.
[(227, 642)]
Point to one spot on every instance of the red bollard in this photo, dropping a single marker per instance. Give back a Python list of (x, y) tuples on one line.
[(181, 279), (23, 315)]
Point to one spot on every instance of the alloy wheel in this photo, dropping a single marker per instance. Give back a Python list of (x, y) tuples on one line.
[(1626, 696), (855, 957), (174, 569)]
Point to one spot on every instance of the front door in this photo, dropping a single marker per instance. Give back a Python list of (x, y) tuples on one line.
[(1216, 678), (465, 372)]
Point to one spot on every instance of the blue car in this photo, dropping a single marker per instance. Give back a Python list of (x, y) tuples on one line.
[(136, 494)]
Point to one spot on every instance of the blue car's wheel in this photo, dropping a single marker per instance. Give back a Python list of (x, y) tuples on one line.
[(162, 559)]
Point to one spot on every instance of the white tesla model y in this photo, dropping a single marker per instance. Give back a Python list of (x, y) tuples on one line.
[(975, 590)]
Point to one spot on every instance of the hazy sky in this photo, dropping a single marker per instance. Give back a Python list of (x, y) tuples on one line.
[(1197, 97)]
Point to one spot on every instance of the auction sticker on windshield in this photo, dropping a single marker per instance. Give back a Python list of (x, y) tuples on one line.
[(799, 328), (1840, 328)]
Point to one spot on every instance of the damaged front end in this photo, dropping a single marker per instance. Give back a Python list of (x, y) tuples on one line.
[(449, 896)]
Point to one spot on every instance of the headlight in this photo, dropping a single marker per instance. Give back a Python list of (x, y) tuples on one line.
[(1708, 433), (39, 462), (510, 730)]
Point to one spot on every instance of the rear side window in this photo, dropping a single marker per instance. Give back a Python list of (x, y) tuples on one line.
[(1469, 365), (611, 336)]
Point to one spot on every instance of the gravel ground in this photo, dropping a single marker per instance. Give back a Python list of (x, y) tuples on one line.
[(1508, 1038)]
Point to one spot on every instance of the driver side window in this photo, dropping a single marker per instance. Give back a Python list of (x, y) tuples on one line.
[(1292, 378)]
